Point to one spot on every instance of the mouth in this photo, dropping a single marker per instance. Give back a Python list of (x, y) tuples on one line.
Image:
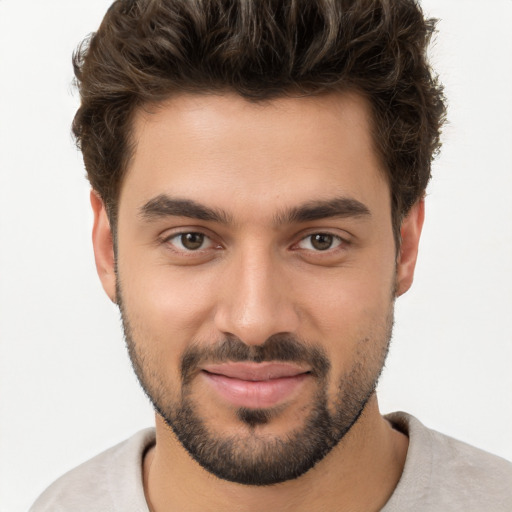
[(256, 385)]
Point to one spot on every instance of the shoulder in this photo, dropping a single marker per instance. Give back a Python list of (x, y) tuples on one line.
[(110, 481), (441, 471)]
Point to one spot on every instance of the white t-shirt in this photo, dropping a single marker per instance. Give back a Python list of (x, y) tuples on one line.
[(441, 474)]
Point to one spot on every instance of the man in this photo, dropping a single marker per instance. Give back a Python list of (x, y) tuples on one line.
[(258, 172)]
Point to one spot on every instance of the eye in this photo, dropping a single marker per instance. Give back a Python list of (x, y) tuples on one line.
[(188, 242), (320, 242)]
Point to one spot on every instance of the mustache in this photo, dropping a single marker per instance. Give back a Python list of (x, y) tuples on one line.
[(278, 347)]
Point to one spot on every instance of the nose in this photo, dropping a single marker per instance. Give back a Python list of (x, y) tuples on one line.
[(257, 301)]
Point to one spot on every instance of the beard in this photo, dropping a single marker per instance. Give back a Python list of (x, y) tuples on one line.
[(255, 458)]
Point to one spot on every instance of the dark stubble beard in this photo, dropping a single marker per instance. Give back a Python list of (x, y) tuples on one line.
[(256, 459)]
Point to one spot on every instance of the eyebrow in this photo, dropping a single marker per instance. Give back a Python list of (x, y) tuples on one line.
[(165, 206), (338, 207)]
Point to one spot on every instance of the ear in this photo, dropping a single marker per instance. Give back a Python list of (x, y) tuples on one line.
[(410, 232), (102, 242)]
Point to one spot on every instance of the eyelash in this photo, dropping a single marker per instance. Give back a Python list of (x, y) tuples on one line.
[(338, 242), (168, 240)]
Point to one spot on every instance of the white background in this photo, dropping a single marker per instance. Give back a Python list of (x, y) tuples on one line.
[(66, 386)]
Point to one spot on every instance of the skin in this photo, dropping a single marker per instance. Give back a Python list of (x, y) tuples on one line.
[(259, 277)]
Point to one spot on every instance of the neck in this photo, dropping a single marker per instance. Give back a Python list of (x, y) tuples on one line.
[(359, 474)]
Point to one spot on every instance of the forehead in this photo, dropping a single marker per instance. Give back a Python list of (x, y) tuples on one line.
[(224, 149)]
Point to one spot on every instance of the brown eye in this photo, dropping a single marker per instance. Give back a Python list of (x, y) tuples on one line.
[(189, 242), (320, 242), (192, 241)]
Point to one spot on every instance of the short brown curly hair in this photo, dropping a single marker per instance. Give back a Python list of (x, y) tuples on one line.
[(147, 50)]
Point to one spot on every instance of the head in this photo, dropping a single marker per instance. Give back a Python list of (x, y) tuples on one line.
[(258, 172), (147, 51)]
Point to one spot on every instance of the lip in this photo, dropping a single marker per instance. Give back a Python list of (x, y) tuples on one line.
[(255, 385), (256, 371)]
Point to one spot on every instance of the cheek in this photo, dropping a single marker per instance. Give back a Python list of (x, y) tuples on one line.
[(349, 299), (350, 313), (167, 307)]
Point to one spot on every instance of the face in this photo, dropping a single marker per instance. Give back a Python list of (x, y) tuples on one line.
[(256, 275)]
